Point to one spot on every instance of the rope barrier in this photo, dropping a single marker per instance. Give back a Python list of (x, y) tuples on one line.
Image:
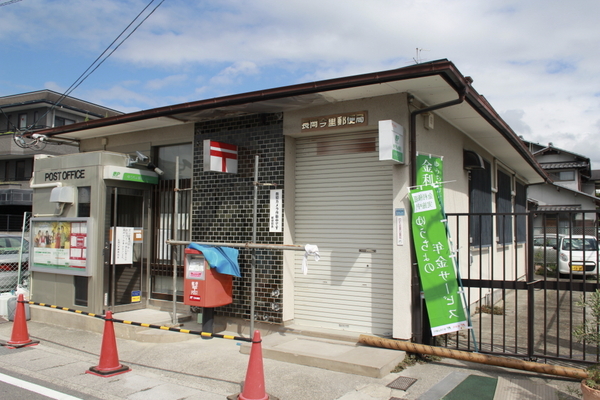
[(165, 328)]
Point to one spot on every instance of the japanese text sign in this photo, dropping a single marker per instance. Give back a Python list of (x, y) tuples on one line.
[(276, 208), (430, 171), (436, 264)]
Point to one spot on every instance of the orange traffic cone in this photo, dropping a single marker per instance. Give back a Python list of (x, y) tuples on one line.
[(109, 359), (254, 386), (20, 336)]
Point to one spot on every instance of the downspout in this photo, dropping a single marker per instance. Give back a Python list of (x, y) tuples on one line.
[(418, 314)]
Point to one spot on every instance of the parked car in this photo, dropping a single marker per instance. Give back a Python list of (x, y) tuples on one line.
[(544, 249), (578, 254), (10, 249)]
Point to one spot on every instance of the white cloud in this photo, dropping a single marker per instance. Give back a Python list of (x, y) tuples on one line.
[(156, 84), (536, 61), (230, 74), (55, 87)]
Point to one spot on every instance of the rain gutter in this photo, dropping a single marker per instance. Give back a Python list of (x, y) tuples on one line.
[(413, 129), (440, 67)]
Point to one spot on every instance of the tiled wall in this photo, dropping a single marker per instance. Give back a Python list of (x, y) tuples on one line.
[(222, 207)]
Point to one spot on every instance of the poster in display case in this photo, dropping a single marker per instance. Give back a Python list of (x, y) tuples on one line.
[(60, 245)]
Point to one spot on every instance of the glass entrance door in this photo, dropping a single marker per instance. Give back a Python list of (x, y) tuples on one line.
[(125, 276)]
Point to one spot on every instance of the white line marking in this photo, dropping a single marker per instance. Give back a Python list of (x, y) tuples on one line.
[(32, 387)]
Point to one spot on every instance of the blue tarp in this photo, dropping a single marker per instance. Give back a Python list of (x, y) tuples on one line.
[(223, 259)]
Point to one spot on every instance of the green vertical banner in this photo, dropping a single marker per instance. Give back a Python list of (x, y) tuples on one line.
[(430, 171), (436, 262)]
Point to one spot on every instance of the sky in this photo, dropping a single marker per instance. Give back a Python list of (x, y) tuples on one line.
[(536, 61)]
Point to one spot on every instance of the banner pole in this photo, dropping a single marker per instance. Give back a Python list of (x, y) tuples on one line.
[(176, 236), (253, 272)]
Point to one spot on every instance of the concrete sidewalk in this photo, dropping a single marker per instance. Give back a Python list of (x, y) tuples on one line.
[(170, 365)]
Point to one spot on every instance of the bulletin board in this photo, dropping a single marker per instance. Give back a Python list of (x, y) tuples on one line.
[(60, 245)]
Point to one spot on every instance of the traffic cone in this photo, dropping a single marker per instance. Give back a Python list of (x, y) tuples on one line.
[(20, 336), (109, 358), (254, 385)]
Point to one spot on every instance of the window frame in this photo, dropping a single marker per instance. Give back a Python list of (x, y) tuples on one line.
[(480, 202), (504, 205)]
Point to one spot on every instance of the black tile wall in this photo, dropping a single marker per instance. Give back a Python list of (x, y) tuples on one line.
[(222, 207)]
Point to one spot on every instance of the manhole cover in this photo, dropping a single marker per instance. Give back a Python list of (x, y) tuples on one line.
[(401, 383)]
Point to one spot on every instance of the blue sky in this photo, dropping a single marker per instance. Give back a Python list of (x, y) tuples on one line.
[(536, 61)]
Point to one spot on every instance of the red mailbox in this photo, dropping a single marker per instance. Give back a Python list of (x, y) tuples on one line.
[(202, 285)]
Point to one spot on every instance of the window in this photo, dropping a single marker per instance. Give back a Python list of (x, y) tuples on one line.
[(22, 121), (84, 201), (60, 121), (81, 290), (166, 160), (562, 175), (579, 244), (480, 206), (521, 207), (504, 208), (20, 170), (161, 264), (6, 174)]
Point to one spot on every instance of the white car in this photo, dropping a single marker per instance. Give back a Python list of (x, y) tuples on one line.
[(578, 255)]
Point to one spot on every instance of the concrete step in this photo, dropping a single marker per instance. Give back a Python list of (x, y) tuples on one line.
[(124, 331), (331, 354)]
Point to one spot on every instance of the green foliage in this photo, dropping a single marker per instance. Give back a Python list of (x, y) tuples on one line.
[(496, 310), (411, 359), (593, 379), (590, 332)]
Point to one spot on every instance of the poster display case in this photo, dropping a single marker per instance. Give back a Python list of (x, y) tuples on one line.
[(60, 245)]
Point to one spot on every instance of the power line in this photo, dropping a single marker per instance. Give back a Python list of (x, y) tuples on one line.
[(9, 2), (18, 136), (83, 76)]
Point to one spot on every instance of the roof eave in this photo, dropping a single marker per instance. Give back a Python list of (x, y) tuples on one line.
[(443, 68)]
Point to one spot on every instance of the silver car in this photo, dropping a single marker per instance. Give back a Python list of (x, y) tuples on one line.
[(11, 254), (544, 249)]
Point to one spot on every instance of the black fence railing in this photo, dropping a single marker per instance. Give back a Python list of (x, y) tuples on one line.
[(523, 291)]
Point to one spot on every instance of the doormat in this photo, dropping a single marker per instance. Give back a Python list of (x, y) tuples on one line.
[(401, 383), (474, 387)]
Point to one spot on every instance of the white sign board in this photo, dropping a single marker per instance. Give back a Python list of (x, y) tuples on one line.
[(391, 141), (275, 217), (220, 157), (122, 240)]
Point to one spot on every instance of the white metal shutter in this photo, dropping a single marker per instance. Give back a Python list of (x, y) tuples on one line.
[(344, 206)]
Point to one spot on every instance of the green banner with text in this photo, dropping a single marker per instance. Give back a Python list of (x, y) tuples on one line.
[(436, 262), (430, 171)]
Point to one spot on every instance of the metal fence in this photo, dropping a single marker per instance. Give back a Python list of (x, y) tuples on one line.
[(523, 295), (14, 257)]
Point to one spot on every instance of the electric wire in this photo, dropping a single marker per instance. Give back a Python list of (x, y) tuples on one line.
[(83, 76), (18, 135), (9, 2)]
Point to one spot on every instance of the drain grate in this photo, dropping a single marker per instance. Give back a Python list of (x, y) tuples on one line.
[(396, 398), (401, 383)]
